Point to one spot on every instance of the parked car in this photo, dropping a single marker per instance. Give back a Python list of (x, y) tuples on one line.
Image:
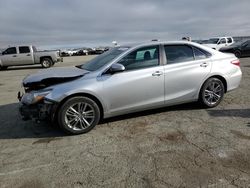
[(28, 55), (64, 54), (219, 42), (239, 49), (83, 51), (97, 51), (128, 79), (200, 41)]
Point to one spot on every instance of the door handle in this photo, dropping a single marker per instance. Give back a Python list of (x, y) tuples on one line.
[(28, 54), (204, 64), (14, 56), (157, 73)]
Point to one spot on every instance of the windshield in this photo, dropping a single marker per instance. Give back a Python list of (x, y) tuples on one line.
[(103, 59), (213, 41)]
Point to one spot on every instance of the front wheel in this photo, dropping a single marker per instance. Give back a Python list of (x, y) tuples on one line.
[(212, 92), (78, 115), (46, 62)]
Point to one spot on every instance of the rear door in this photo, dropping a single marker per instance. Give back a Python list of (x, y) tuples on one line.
[(25, 56), (184, 72), (9, 57)]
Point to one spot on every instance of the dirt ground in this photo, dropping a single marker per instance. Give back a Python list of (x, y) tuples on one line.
[(180, 146)]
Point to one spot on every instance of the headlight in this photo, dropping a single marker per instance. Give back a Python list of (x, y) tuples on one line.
[(34, 97)]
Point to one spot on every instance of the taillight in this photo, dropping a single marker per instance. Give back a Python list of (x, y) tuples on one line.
[(236, 62)]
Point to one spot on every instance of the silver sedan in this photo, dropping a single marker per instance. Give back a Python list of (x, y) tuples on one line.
[(128, 79)]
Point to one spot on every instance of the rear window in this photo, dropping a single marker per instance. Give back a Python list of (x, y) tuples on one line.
[(24, 49), (199, 54), (229, 40), (178, 53)]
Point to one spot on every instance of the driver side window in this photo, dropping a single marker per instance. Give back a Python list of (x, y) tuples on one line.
[(11, 50), (141, 58)]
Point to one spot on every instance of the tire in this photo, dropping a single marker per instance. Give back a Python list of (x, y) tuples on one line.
[(46, 62), (3, 67), (237, 54), (212, 92), (71, 118)]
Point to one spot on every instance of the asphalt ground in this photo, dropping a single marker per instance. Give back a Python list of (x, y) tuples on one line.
[(179, 146)]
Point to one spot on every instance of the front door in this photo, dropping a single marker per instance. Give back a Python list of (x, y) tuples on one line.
[(9, 57), (140, 86)]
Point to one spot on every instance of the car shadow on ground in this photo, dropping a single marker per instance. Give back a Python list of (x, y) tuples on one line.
[(243, 113), (187, 106), (13, 127)]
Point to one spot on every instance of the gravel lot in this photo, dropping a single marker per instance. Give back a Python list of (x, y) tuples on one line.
[(180, 146)]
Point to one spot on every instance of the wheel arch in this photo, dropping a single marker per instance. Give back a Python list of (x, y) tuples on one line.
[(94, 98), (43, 57), (224, 81)]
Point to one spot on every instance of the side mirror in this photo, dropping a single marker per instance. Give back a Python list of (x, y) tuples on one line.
[(117, 67)]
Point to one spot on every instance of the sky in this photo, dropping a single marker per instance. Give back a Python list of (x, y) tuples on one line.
[(77, 23)]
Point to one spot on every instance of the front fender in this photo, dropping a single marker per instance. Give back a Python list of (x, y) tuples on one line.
[(63, 91)]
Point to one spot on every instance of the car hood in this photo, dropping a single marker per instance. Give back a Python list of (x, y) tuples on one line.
[(53, 76)]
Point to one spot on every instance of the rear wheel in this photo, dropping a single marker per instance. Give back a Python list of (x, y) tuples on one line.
[(237, 54), (46, 62), (78, 115), (212, 92)]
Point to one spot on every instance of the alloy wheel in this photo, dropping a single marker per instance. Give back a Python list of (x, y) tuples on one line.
[(79, 116), (213, 93), (46, 63)]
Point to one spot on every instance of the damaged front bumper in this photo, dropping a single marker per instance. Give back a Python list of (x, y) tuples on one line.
[(44, 110), (36, 112)]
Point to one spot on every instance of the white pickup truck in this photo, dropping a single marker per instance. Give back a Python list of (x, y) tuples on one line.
[(218, 42), (28, 55)]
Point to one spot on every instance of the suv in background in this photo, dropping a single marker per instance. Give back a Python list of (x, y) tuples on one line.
[(239, 49), (218, 42)]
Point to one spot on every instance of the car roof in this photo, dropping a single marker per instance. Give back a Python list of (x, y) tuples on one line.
[(221, 37), (130, 45), (144, 44)]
